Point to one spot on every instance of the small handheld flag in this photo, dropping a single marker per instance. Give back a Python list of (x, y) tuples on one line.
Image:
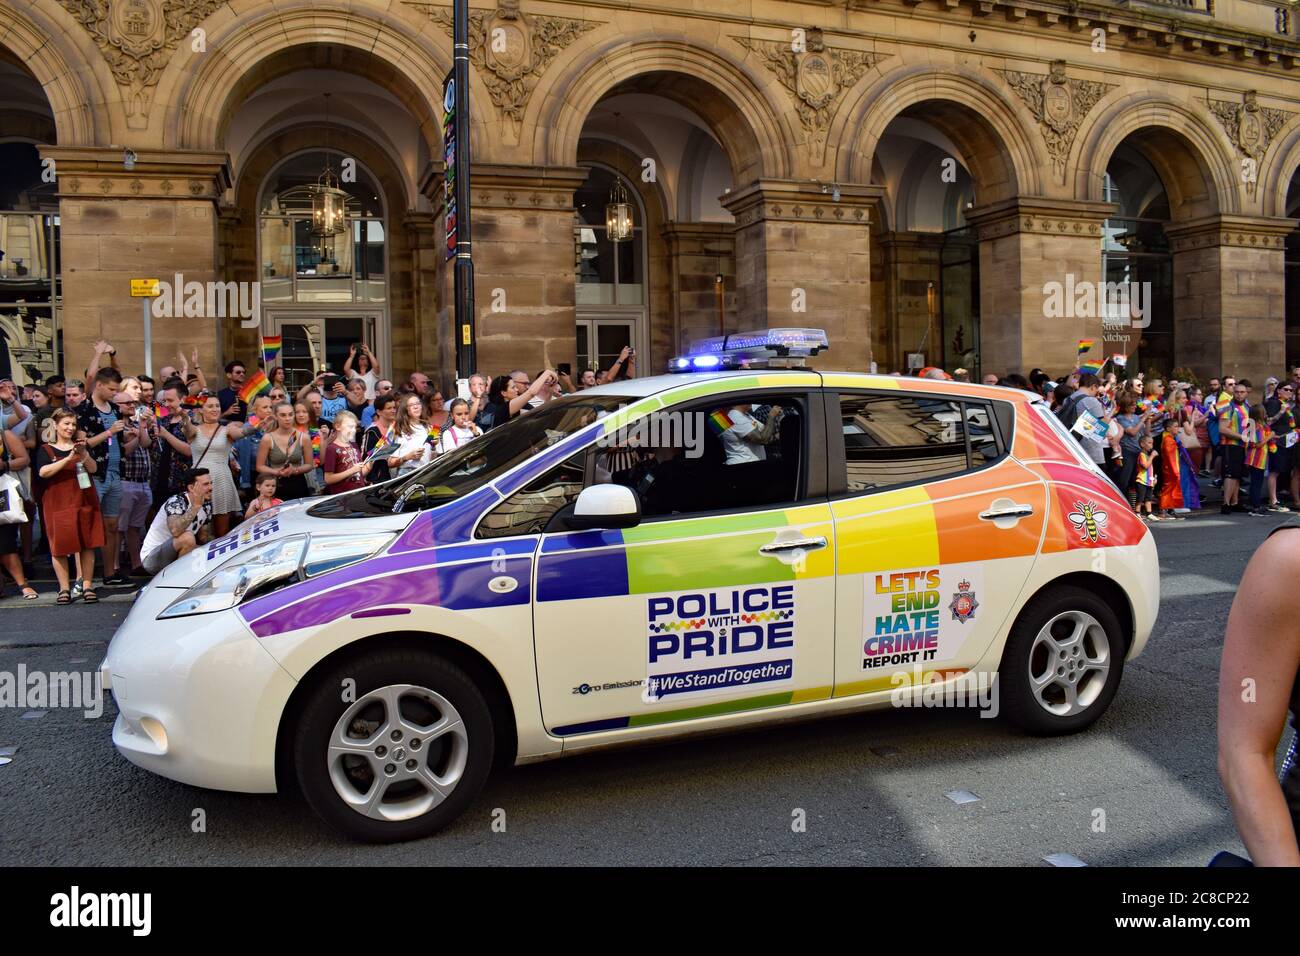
[(161, 411), (257, 384), (720, 422), (1085, 345), (270, 349), (1093, 367), (1119, 360)]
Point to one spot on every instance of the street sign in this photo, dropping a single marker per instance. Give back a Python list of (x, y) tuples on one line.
[(144, 288), (449, 162)]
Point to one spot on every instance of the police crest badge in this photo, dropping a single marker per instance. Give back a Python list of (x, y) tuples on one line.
[(963, 604)]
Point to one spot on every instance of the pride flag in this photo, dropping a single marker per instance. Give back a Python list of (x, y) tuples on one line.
[(1085, 345), (315, 444), (270, 350), (257, 384), (720, 422), (161, 411), (1093, 367)]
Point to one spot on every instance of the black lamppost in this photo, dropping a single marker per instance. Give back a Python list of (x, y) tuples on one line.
[(458, 105)]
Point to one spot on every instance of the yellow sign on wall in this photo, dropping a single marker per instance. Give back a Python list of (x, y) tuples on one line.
[(144, 288)]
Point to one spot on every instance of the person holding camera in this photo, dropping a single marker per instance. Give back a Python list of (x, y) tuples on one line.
[(366, 368), (333, 394), (69, 502)]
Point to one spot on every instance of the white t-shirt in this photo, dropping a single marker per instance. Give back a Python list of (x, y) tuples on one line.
[(175, 506), (738, 450), (370, 378), (453, 437), (417, 440)]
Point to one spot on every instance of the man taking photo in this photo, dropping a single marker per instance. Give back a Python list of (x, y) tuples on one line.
[(182, 523)]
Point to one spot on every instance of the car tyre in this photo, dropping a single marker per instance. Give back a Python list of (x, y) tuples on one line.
[(441, 712), (1062, 663)]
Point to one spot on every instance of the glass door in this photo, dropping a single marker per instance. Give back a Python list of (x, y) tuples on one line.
[(314, 343), (600, 340)]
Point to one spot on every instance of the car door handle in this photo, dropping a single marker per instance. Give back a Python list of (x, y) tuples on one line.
[(795, 544), (1015, 511)]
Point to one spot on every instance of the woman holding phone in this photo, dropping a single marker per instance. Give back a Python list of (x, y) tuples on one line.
[(281, 456), (69, 504)]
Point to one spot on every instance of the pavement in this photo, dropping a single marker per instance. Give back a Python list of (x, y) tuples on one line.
[(1138, 788)]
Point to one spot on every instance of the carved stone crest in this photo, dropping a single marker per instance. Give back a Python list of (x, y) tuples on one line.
[(1251, 128), (817, 75), (1059, 104), (511, 50), (138, 38)]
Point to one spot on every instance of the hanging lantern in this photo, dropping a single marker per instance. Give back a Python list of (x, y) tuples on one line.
[(618, 214), (328, 206)]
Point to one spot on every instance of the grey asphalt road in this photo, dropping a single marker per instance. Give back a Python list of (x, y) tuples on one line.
[(871, 788)]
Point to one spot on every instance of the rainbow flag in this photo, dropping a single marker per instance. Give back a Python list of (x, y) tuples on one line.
[(720, 422), (270, 350), (161, 411), (315, 444), (194, 401), (1085, 345), (257, 384), (1093, 367)]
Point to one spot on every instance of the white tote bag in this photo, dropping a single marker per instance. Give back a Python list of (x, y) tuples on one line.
[(11, 500)]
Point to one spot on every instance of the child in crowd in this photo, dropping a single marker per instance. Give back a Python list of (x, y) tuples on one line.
[(462, 429), (1145, 479), (265, 496), (1260, 443)]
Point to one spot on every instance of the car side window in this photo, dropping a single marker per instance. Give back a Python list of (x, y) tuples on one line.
[(900, 438), (529, 509), (715, 456)]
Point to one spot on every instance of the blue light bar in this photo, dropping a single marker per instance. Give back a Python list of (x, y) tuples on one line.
[(750, 349)]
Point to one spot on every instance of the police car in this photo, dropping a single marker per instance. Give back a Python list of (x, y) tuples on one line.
[(733, 543)]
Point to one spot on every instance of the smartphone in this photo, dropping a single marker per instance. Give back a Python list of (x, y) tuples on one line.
[(329, 382), (564, 368)]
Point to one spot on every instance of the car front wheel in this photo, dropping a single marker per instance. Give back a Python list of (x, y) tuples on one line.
[(393, 746), (1062, 663)]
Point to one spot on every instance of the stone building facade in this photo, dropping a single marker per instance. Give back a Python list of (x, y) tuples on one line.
[(944, 178)]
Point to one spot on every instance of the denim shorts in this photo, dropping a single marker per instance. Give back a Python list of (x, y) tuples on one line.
[(110, 494)]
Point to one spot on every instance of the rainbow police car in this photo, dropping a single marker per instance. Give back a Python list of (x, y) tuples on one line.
[(743, 540)]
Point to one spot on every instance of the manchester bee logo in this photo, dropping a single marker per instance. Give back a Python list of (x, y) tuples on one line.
[(1088, 521), (963, 604)]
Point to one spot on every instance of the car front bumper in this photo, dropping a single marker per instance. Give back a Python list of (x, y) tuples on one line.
[(199, 699)]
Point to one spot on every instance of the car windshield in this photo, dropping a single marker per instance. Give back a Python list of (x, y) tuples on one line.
[(457, 473)]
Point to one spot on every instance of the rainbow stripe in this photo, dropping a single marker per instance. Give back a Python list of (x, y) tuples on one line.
[(257, 384), (271, 345), (314, 433), (1093, 367), (1085, 345), (720, 421)]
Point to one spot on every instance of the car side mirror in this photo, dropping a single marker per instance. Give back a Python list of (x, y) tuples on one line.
[(604, 507)]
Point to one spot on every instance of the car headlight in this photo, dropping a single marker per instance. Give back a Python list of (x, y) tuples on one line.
[(272, 565)]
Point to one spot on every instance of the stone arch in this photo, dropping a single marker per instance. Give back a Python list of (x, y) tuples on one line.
[(716, 88), (982, 120), (1281, 164), (1192, 156), (48, 45), (247, 54)]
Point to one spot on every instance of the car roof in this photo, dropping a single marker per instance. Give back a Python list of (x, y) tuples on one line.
[(654, 384)]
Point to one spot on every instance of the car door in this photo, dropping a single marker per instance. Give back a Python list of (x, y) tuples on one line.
[(720, 600), (937, 530)]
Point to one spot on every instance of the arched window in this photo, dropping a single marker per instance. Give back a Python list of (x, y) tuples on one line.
[(1135, 255), (301, 266)]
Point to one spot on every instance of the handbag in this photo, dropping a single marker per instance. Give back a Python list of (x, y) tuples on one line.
[(12, 510)]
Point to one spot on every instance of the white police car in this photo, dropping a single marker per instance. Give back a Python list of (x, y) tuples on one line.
[(652, 558)]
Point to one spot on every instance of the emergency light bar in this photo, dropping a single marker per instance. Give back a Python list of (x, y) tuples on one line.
[(751, 349)]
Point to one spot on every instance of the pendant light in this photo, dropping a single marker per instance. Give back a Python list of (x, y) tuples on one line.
[(618, 211)]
